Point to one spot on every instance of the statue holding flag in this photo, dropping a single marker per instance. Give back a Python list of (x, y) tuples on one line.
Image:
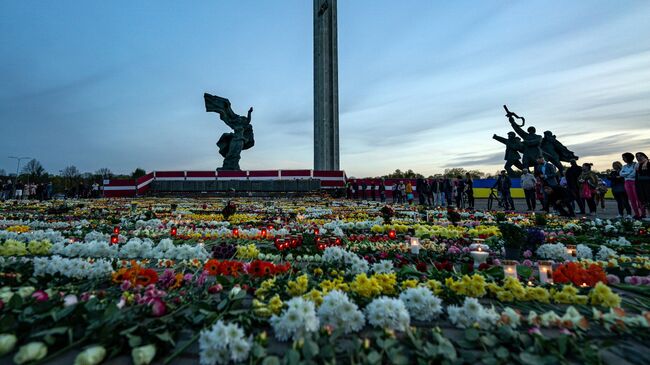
[(231, 144)]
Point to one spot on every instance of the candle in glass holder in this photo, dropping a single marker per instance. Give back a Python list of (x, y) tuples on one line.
[(571, 252), (545, 272), (392, 234), (509, 268), (479, 255), (415, 245)]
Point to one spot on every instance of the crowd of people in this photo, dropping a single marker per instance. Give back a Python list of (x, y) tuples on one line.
[(442, 191), (45, 190), (579, 185), (577, 190), (38, 191)]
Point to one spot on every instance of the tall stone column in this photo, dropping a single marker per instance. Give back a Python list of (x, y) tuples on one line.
[(326, 87)]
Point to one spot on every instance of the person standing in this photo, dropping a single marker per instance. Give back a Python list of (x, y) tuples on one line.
[(408, 189), (364, 187), (528, 183), (460, 189), (547, 171), (395, 192), (436, 189), (469, 190), (628, 172), (643, 182), (588, 183), (421, 189), (572, 175), (382, 190), (49, 190), (448, 191), (401, 193), (618, 189), (372, 191), (503, 185)]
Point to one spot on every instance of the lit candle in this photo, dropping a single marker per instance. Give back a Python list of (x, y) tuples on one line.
[(510, 268), (571, 252), (116, 230), (392, 234), (545, 272), (415, 245), (114, 239), (173, 231), (479, 256)]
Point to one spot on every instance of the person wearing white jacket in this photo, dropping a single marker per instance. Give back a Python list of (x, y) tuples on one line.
[(628, 172), (528, 183)]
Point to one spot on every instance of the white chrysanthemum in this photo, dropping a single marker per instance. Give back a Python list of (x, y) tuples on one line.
[(388, 313), (584, 252), (222, 343), (383, 267), (421, 303), (514, 319), (472, 308), (605, 253), (339, 312), (296, 321)]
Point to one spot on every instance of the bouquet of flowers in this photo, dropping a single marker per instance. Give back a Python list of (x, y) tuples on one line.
[(387, 213)]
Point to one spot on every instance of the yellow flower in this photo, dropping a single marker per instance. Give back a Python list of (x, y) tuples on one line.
[(318, 271), (299, 286), (411, 283), (315, 296), (435, 286), (275, 304), (366, 287), (601, 294)]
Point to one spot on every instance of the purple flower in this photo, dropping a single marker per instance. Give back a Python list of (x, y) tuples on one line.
[(158, 308), (126, 285), (497, 262), (187, 277), (613, 279), (528, 254), (200, 281), (527, 263)]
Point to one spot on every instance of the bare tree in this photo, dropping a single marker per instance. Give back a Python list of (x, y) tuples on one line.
[(104, 173), (34, 169), (70, 172)]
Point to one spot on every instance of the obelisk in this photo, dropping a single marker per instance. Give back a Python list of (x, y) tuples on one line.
[(326, 87)]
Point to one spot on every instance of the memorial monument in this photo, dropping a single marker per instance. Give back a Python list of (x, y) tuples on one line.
[(231, 144), (326, 89), (532, 146)]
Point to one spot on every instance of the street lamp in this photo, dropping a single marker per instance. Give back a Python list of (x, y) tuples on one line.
[(18, 159)]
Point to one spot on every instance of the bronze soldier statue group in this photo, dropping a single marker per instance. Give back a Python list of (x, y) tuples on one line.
[(544, 155)]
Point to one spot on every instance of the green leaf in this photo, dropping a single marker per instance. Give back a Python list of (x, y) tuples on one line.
[(502, 352), (310, 349), (52, 331), (561, 344), (489, 340), (524, 272), (15, 302), (530, 359), (293, 357), (397, 358), (471, 334), (271, 360), (60, 314), (373, 357), (134, 341), (165, 337)]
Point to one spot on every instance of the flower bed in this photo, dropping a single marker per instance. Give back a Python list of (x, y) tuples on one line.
[(315, 280)]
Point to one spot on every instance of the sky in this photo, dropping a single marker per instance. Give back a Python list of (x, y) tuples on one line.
[(119, 84)]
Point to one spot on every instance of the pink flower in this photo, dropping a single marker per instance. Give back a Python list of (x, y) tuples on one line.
[(126, 285), (496, 262), (158, 308), (565, 331), (528, 254), (534, 331), (214, 289), (527, 263), (187, 277), (40, 296)]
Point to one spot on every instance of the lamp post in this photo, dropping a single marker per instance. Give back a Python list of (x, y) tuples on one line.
[(18, 159)]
